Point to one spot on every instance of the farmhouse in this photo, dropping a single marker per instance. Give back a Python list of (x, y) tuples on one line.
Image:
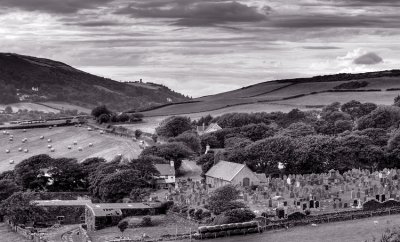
[(224, 173), (101, 215), (213, 127), (167, 174)]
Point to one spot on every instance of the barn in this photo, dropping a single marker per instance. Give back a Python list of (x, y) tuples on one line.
[(225, 173)]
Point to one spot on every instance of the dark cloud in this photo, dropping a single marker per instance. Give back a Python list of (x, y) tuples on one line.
[(363, 3), (99, 23), (197, 13), (370, 58), (53, 6), (321, 47)]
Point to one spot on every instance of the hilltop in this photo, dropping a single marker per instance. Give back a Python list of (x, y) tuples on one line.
[(38, 80), (284, 95)]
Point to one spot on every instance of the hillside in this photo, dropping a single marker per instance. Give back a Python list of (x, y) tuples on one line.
[(315, 92), (38, 80)]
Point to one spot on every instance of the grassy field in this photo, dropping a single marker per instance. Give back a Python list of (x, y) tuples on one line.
[(383, 97), (67, 106), (104, 145), (163, 224), (30, 106), (347, 231), (7, 235)]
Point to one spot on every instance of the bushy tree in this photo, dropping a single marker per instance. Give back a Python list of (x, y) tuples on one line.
[(138, 133), (384, 117), (98, 111), (240, 215), (103, 118), (221, 198), (123, 225), (257, 131), (8, 188), (173, 126), (300, 129), (190, 139), (30, 173)]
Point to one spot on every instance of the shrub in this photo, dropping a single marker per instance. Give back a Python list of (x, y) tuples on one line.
[(191, 212), (146, 221), (199, 214)]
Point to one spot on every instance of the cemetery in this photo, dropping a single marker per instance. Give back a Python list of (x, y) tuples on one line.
[(296, 200)]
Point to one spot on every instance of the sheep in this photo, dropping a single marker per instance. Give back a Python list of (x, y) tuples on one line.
[(11, 162)]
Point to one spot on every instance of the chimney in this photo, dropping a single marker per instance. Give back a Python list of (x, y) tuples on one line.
[(204, 126), (207, 148), (172, 163)]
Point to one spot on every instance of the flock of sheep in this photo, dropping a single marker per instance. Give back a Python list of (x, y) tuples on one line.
[(49, 141)]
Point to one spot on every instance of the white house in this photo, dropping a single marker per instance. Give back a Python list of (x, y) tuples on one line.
[(225, 173), (208, 129), (167, 174)]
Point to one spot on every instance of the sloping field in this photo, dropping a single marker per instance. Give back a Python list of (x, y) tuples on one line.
[(66, 106), (7, 235), (284, 93), (383, 97), (104, 145), (30, 106)]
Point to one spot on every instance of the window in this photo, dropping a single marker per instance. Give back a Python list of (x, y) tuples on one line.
[(60, 218)]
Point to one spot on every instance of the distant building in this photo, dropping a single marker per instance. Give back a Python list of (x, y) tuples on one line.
[(225, 173), (167, 174), (203, 129)]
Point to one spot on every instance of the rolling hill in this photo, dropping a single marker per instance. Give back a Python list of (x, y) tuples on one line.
[(37, 80), (283, 95)]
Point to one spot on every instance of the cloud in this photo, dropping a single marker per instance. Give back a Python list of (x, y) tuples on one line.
[(197, 13), (370, 58), (53, 6), (96, 23), (320, 47)]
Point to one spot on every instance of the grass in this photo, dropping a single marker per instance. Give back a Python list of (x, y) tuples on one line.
[(67, 106), (163, 224), (104, 145), (7, 235), (30, 107), (348, 231)]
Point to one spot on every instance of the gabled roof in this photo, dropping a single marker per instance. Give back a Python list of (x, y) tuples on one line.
[(211, 126), (50, 203), (225, 170), (113, 209), (165, 169)]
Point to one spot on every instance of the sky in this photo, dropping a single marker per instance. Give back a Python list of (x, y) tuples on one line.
[(203, 47)]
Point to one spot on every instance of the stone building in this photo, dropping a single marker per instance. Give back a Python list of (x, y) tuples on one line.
[(224, 173)]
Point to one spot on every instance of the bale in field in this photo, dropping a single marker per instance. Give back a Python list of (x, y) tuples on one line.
[(24, 130), (42, 137), (49, 141), (90, 144), (52, 149), (20, 149), (80, 149), (11, 161), (50, 127), (4, 132), (11, 139), (75, 142), (49, 146), (69, 147), (26, 150), (7, 151), (89, 129)]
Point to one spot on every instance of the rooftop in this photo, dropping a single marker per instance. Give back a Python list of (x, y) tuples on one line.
[(47, 203), (225, 170), (165, 169), (114, 209)]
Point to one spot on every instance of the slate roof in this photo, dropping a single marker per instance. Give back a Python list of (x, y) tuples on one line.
[(114, 209), (205, 129), (48, 203), (165, 169), (225, 170)]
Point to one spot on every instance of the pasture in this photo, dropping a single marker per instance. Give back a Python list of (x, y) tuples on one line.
[(88, 144), (67, 106), (30, 107), (349, 231)]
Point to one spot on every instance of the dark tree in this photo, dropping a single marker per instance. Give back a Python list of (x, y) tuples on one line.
[(97, 111), (173, 126)]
